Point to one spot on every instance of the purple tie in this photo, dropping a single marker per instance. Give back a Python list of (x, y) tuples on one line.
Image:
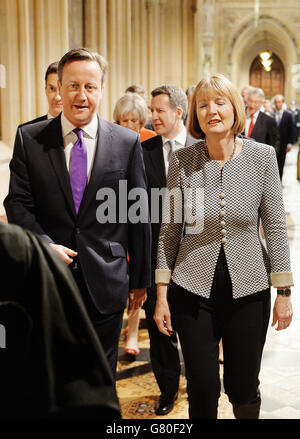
[(78, 173)]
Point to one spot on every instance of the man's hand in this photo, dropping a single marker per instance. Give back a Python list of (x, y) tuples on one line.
[(136, 300), (64, 252)]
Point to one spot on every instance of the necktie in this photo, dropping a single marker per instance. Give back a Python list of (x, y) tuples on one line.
[(278, 118), (78, 173), (172, 148), (251, 126)]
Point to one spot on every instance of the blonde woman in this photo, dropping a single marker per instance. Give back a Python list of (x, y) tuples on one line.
[(131, 112), (214, 272)]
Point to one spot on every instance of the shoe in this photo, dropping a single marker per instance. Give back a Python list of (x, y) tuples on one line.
[(131, 354), (165, 404)]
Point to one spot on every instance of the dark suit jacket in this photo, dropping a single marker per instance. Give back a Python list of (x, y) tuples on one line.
[(40, 199), (266, 131), (38, 119), (286, 130), (53, 364), (156, 178)]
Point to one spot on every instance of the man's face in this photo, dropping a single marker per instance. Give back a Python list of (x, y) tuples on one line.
[(81, 91), (278, 102), (254, 103), (52, 94), (165, 119)]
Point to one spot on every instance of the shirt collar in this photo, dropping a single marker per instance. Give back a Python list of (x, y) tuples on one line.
[(180, 138), (255, 115), (90, 129)]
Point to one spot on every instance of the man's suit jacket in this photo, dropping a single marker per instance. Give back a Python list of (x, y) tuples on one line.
[(286, 130), (265, 130), (156, 178), (53, 365), (40, 199), (296, 123)]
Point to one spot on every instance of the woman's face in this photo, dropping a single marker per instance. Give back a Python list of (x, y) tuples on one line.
[(131, 121), (215, 114)]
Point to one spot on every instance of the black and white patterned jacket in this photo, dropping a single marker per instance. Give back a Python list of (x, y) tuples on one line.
[(224, 205)]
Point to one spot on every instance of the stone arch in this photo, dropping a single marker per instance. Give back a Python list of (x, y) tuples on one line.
[(249, 40)]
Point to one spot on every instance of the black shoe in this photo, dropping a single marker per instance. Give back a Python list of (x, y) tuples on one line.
[(165, 404)]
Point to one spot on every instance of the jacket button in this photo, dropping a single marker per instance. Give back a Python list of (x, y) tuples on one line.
[(222, 195), (222, 213), (77, 231), (223, 232), (222, 203), (223, 240)]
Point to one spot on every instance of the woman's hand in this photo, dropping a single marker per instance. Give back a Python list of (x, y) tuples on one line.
[(282, 312), (162, 314)]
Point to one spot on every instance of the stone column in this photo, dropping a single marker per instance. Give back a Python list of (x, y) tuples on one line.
[(207, 35), (198, 40), (34, 33)]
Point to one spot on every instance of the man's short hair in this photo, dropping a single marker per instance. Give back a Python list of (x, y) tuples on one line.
[(217, 84), (190, 90), (257, 92), (177, 97), (52, 68), (131, 103), (279, 96), (82, 54), (137, 89)]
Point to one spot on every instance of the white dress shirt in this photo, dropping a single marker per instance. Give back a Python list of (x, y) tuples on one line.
[(278, 115), (180, 140), (90, 134), (248, 121)]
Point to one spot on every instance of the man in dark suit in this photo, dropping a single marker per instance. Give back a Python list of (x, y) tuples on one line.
[(296, 119), (169, 110), (52, 95), (284, 120), (259, 125), (61, 171)]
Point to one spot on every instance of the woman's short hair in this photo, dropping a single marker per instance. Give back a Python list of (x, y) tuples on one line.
[(217, 84), (130, 103)]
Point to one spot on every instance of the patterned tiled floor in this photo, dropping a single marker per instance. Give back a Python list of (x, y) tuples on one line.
[(280, 371)]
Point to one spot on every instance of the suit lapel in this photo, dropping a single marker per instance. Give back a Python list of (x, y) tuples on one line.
[(158, 162), (55, 147), (257, 126), (99, 167)]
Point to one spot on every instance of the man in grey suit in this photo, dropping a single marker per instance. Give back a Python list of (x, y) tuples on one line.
[(169, 109)]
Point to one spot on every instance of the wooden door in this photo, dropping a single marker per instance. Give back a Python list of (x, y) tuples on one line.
[(271, 82)]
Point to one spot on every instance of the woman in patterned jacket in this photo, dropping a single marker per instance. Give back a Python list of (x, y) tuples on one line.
[(214, 271)]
